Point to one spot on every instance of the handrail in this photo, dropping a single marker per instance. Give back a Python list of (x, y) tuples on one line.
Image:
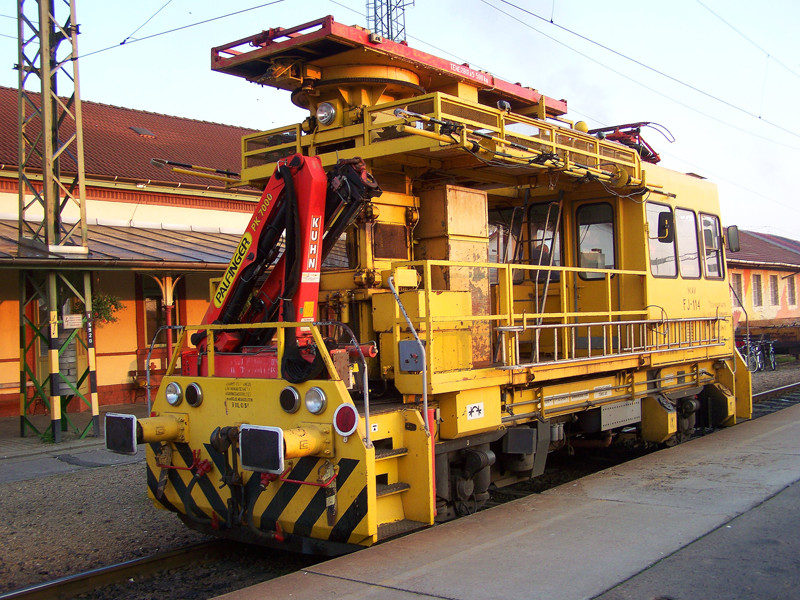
[(422, 351), (364, 374), (150, 354)]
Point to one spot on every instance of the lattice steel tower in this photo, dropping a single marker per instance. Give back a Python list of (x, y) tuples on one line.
[(387, 18), (52, 217)]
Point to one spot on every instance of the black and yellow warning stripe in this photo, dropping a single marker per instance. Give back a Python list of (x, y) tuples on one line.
[(350, 516)]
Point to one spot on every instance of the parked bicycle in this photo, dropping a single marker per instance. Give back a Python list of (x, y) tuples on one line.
[(768, 353), (759, 355), (754, 355)]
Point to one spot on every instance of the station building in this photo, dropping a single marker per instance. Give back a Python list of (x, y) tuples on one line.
[(764, 289), (150, 230)]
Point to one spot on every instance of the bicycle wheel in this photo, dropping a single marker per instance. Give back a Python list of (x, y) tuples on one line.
[(752, 361), (773, 364), (760, 359)]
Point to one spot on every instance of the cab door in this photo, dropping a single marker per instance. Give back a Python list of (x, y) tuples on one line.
[(595, 292)]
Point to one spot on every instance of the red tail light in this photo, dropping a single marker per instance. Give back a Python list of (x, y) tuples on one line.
[(345, 420)]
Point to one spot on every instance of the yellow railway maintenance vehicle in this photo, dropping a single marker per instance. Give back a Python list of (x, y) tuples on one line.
[(516, 284)]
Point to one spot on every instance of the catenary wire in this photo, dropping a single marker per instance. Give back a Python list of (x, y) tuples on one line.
[(633, 80), (769, 54), (644, 66), (594, 60), (146, 22), (639, 83), (203, 22)]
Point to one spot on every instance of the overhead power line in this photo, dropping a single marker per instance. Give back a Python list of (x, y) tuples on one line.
[(146, 22), (203, 22), (769, 54), (644, 66), (594, 60), (639, 83)]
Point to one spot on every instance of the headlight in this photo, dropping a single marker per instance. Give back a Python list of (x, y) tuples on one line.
[(326, 113), (194, 395), (290, 399), (316, 401), (173, 393)]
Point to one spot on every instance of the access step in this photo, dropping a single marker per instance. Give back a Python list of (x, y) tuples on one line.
[(383, 489), (390, 453), (389, 530)]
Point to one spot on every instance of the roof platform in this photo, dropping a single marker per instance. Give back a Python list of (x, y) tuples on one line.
[(323, 50)]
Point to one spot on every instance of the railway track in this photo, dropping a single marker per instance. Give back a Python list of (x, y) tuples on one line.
[(196, 572), (775, 399), (140, 568)]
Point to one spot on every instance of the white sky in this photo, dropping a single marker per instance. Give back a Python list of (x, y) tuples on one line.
[(752, 157)]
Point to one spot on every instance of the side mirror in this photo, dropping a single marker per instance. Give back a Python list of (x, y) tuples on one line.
[(666, 228), (732, 239)]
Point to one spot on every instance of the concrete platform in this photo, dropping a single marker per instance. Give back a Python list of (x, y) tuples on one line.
[(714, 518), (30, 457)]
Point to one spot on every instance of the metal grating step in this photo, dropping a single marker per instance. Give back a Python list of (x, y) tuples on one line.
[(383, 489), (390, 453), (389, 530)]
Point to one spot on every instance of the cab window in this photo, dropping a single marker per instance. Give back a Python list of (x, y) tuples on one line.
[(688, 251), (595, 223), (712, 246), (662, 250)]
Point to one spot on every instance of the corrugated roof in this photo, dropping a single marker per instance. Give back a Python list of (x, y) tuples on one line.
[(128, 247), (766, 249), (113, 148), (118, 247)]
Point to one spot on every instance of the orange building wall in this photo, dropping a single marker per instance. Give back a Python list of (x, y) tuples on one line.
[(9, 333), (767, 311), (115, 343)]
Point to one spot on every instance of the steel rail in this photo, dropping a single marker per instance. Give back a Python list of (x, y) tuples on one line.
[(773, 393), (70, 586)]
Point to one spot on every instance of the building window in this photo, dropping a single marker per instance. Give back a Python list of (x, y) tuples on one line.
[(736, 284), (757, 299), (662, 252), (791, 291), (595, 238), (774, 296)]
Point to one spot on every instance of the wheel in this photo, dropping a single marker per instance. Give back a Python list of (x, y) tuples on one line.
[(760, 359), (773, 364)]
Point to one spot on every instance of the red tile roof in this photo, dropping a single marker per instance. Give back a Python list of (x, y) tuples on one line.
[(113, 149), (765, 249)]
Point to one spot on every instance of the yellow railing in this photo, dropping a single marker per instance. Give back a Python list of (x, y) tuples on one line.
[(437, 122), (561, 332)]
